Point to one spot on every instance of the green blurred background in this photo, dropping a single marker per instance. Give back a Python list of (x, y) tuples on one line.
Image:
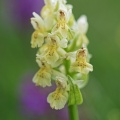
[(101, 95)]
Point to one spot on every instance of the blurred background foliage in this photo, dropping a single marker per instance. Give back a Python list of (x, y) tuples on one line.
[(101, 95)]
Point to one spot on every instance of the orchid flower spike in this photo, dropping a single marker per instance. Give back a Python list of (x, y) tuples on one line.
[(62, 55)]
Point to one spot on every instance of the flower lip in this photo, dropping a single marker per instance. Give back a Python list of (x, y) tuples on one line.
[(59, 97)]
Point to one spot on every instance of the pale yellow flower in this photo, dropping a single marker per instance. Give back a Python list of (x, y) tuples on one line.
[(80, 64), (63, 16), (43, 76), (59, 97), (41, 26), (53, 50), (48, 13), (40, 32), (37, 39)]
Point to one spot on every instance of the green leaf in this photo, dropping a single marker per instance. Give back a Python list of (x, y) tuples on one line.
[(75, 96)]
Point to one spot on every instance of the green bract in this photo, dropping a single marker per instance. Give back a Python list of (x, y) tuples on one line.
[(75, 96)]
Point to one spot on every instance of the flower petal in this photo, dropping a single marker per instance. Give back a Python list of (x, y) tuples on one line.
[(82, 24), (43, 77), (37, 39), (57, 99), (51, 58), (37, 22), (63, 43)]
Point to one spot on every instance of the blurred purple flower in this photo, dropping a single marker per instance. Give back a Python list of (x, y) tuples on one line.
[(32, 97), (33, 101), (20, 11)]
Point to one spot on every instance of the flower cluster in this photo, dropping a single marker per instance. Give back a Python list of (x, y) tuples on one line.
[(62, 54)]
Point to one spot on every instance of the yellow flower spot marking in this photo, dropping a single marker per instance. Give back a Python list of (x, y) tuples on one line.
[(52, 48), (35, 35), (82, 64), (61, 23), (41, 72), (57, 94)]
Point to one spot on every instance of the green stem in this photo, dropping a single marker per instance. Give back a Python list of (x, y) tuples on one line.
[(73, 112)]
